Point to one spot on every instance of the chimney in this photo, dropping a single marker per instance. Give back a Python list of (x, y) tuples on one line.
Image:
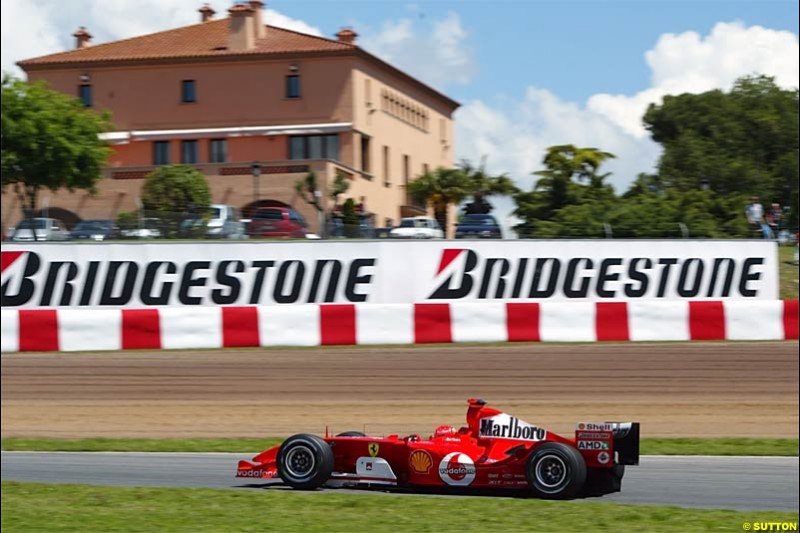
[(258, 19), (241, 30), (347, 36), (206, 13), (82, 38)]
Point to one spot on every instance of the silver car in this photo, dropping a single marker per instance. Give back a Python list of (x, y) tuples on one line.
[(225, 222), (39, 229)]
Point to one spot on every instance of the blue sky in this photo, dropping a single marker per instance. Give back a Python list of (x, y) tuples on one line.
[(574, 48), (529, 74)]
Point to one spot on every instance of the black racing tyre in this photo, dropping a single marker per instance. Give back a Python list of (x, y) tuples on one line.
[(555, 471), (351, 434), (305, 461)]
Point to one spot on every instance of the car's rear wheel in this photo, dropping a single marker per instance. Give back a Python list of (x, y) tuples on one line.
[(351, 434), (555, 471), (305, 461)]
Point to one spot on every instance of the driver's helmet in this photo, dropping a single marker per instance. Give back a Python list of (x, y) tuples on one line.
[(444, 431)]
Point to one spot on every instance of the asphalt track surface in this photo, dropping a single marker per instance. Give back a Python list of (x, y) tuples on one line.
[(740, 483)]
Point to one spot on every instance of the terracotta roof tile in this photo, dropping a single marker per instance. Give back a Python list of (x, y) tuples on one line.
[(206, 39)]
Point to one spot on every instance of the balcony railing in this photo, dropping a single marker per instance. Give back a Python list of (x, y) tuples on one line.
[(231, 168)]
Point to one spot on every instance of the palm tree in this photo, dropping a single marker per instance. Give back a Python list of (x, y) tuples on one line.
[(571, 177), (440, 188), (567, 161), (482, 185)]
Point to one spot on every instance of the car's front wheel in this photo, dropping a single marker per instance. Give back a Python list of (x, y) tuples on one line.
[(305, 461), (555, 471)]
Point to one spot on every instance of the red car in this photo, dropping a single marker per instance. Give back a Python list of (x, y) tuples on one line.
[(277, 222), (493, 451)]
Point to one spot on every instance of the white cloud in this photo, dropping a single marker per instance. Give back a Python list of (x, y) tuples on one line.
[(689, 63), (274, 18), (437, 52), (27, 31), (515, 139), (515, 135), (32, 28)]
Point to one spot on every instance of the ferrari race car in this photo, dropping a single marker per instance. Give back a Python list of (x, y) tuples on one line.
[(494, 451)]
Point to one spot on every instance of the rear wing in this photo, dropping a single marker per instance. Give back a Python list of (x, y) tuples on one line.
[(592, 439), (626, 442)]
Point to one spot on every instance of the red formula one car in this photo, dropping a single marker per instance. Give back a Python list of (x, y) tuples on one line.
[(494, 451)]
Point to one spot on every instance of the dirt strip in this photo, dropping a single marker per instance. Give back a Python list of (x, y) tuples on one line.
[(679, 389)]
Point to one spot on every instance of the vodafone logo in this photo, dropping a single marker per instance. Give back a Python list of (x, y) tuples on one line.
[(457, 469)]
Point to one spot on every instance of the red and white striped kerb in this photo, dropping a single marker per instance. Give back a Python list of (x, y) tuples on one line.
[(343, 324)]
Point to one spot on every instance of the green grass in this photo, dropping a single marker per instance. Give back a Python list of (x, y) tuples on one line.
[(652, 446), (138, 445), (788, 272), (76, 508), (719, 446)]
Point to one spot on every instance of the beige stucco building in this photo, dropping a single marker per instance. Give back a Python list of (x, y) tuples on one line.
[(225, 93)]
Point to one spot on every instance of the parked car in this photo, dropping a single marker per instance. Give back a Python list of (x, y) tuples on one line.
[(39, 229), (225, 223), (337, 229), (277, 222), (95, 230), (149, 229), (417, 228), (477, 226)]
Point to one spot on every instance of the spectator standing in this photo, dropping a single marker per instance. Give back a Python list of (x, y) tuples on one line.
[(775, 218), (755, 217)]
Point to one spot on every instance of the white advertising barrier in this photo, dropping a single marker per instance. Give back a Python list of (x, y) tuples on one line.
[(384, 272), (26, 330)]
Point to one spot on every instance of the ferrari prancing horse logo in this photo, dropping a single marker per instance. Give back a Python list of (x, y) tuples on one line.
[(373, 449)]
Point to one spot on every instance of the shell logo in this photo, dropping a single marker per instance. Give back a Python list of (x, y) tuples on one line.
[(581, 426), (420, 461)]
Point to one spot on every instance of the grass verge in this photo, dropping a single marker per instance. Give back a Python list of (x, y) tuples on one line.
[(248, 445), (653, 446), (719, 446), (788, 273), (56, 508)]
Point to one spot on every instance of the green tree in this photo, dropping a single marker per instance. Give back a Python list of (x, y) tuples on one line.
[(175, 193), (481, 185), (307, 189), (743, 142), (49, 141), (341, 184), (350, 218), (571, 179), (440, 188), (127, 220)]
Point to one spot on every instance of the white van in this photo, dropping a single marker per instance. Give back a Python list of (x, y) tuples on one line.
[(225, 222)]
